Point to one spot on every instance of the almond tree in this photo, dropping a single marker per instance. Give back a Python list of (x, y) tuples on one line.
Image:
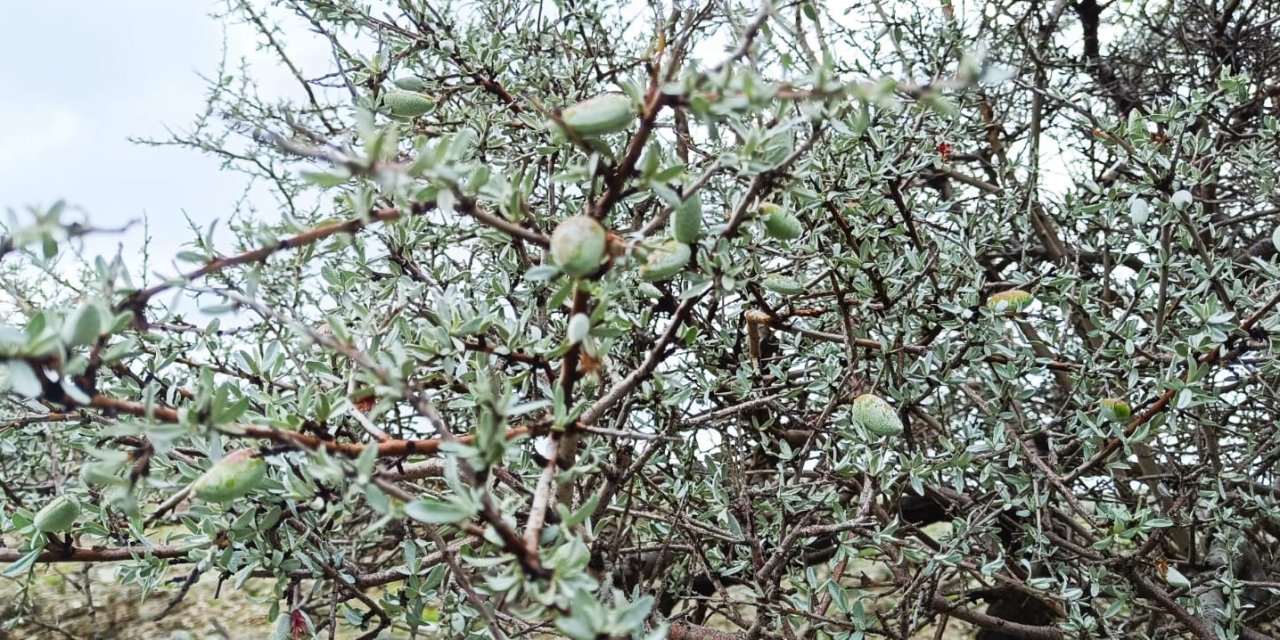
[(720, 320)]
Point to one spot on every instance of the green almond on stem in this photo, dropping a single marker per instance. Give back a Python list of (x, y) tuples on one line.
[(1115, 410), (410, 83), (783, 285), (59, 515), (687, 220), (605, 113), (876, 415), (1181, 199), (780, 223), (766, 209), (237, 474), (406, 103), (577, 246)]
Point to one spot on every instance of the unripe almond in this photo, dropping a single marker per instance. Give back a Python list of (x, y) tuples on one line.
[(1181, 199), (410, 83), (1011, 300), (784, 285), (665, 261), (780, 223), (687, 220), (876, 415), (1115, 410), (605, 113), (406, 103), (767, 209), (1139, 211), (58, 515), (577, 246), (238, 473)]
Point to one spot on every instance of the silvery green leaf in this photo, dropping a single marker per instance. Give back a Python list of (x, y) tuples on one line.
[(1176, 579), (83, 326), (23, 380), (22, 564), (437, 511)]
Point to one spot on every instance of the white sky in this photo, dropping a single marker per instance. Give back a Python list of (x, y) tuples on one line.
[(80, 78)]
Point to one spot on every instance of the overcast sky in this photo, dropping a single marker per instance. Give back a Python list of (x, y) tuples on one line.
[(80, 78)]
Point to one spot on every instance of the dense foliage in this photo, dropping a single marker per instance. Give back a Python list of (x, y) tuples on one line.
[(1044, 233)]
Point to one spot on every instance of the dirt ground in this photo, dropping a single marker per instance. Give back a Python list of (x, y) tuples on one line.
[(57, 607)]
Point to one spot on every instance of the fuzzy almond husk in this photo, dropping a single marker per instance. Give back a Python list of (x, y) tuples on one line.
[(233, 477), (59, 515), (578, 245), (876, 415)]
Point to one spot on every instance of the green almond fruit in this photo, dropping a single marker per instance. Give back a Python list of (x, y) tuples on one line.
[(766, 209), (780, 223), (876, 415), (577, 246), (605, 113), (238, 473), (784, 285), (410, 83), (1181, 199), (1115, 410), (1011, 300), (58, 515), (665, 261), (406, 103), (687, 220)]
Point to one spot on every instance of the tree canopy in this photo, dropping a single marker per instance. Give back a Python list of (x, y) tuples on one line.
[(719, 320)]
